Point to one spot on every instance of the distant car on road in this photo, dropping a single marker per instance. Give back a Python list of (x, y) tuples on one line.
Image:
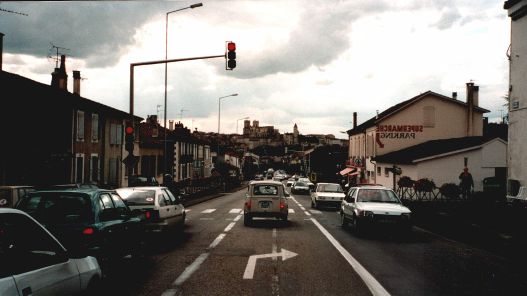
[(310, 184), (163, 210), (368, 206), (95, 220), (300, 187), (290, 182), (265, 199), (327, 194), (33, 261)]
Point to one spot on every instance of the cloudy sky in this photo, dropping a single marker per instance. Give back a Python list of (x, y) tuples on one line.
[(307, 62)]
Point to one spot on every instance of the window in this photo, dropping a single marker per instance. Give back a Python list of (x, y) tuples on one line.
[(80, 126), (26, 246), (116, 134), (106, 201), (94, 168), (265, 190), (95, 128), (173, 199), (379, 169), (163, 200), (386, 171), (113, 171), (79, 168), (429, 116), (119, 204)]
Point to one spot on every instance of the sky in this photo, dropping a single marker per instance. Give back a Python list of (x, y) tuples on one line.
[(307, 62)]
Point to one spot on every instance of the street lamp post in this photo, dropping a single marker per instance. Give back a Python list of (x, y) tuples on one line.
[(219, 112), (237, 120), (166, 57)]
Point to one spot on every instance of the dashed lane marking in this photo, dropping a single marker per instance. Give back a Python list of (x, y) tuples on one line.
[(307, 213), (235, 211), (291, 211), (208, 211), (315, 212)]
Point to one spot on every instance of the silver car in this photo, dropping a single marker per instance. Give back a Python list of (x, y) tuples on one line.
[(265, 199), (35, 263), (163, 211)]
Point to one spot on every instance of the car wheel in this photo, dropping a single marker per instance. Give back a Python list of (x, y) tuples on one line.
[(357, 227), (247, 220)]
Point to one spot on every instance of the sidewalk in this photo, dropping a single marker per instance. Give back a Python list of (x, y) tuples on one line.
[(497, 228), (201, 199)]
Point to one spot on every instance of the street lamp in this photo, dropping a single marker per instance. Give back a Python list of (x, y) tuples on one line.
[(237, 120), (166, 57), (219, 109)]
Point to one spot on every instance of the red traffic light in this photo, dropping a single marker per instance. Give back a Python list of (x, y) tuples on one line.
[(129, 130), (231, 46)]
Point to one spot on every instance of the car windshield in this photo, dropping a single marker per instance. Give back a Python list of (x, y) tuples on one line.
[(330, 188), (58, 207), (300, 184), (134, 197), (265, 190), (377, 195)]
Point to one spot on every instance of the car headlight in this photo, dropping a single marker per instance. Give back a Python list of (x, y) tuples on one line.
[(364, 213)]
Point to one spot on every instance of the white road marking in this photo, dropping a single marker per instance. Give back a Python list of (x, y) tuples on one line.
[(375, 287), (291, 211), (169, 292), (217, 240), (237, 218), (229, 227), (235, 211), (208, 219), (307, 213), (208, 211), (190, 269), (315, 212), (251, 263), (274, 243), (302, 208), (187, 210)]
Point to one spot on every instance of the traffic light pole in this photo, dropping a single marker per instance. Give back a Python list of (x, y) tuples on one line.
[(133, 65)]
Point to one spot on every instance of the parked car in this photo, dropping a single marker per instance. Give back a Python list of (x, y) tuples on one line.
[(9, 195), (368, 206), (95, 220), (300, 187), (327, 194), (162, 210), (135, 181), (33, 261), (265, 199)]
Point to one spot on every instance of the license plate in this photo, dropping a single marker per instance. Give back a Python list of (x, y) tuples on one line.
[(264, 204)]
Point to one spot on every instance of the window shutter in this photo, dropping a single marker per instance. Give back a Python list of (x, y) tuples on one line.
[(80, 125)]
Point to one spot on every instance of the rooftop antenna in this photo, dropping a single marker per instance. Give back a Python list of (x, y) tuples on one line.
[(56, 58), (15, 12)]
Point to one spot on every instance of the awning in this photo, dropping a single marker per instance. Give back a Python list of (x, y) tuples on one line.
[(346, 171)]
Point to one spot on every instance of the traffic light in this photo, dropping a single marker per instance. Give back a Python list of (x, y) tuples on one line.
[(129, 137), (230, 56)]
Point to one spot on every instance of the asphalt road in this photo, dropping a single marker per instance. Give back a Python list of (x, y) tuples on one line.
[(313, 255)]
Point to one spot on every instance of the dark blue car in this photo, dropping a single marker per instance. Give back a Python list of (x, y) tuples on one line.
[(92, 220)]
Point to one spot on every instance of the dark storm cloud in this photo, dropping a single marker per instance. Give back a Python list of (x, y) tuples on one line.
[(97, 32)]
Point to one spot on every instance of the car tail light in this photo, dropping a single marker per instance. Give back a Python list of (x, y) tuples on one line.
[(248, 204), (151, 215), (282, 205), (88, 231)]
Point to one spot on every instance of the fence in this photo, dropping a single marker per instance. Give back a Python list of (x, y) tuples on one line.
[(409, 193)]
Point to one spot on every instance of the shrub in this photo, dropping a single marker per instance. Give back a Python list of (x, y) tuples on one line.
[(405, 181), (450, 190), (424, 185)]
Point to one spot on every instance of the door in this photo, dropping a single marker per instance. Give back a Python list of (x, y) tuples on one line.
[(347, 203), (37, 262), (167, 211), (115, 236), (179, 209)]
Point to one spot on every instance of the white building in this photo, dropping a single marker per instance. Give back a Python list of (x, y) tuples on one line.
[(517, 151)]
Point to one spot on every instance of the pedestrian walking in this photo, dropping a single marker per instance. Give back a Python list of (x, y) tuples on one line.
[(466, 183)]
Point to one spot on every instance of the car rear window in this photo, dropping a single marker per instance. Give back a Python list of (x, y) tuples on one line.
[(300, 184), (138, 197), (330, 188), (265, 190), (58, 207)]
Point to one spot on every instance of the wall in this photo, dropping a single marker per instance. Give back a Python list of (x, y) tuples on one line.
[(517, 148)]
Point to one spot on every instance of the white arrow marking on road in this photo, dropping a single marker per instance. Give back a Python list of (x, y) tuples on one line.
[(251, 263)]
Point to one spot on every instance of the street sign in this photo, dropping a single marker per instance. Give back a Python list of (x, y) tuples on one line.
[(130, 160), (251, 263)]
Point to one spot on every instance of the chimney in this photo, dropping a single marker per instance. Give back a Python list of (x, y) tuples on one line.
[(476, 96), (354, 120), (171, 125), (1, 49), (59, 78), (470, 109), (454, 95), (77, 83)]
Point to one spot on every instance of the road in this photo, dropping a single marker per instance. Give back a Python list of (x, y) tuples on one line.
[(218, 255)]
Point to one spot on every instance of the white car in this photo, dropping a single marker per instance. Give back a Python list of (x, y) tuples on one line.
[(290, 182), (162, 210), (308, 182), (327, 194), (35, 263), (368, 206), (265, 199), (300, 187)]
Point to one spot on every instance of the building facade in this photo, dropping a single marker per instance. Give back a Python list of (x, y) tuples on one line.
[(517, 148)]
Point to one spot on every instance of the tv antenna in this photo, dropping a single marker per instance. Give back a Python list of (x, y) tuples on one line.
[(56, 58), (15, 12)]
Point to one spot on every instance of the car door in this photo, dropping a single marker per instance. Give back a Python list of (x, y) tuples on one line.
[(347, 203), (116, 237), (39, 264), (178, 208), (167, 211)]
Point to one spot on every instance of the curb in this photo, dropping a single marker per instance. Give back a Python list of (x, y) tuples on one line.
[(209, 197)]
